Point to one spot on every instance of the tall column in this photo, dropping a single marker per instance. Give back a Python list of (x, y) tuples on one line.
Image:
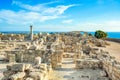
[(31, 32)]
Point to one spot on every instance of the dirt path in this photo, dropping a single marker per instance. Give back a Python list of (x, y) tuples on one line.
[(68, 72), (68, 67), (113, 49)]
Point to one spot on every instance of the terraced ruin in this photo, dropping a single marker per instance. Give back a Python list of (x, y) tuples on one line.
[(58, 56)]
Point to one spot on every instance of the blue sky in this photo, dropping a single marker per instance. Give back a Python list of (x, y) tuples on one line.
[(60, 15)]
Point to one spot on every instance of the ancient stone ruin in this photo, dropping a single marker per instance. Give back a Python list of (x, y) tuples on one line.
[(35, 60)]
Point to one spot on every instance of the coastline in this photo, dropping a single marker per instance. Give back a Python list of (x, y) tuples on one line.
[(112, 36)]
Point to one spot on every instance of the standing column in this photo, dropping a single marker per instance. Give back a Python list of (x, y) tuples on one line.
[(31, 32)]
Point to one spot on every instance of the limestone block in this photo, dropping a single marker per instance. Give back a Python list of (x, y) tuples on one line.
[(9, 67), (102, 78), (103, 74), (59, 65), (43, 66), (37, 60), (82, 63), (8, 73), (28, 66), (36, 75), (54, 65), (29, 78), (18, 67), (11, 57), (17, 76), (49, 68), (43, 72)]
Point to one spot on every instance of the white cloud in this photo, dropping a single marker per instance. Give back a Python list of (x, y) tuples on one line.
[(67, 21), (39, 7), (44, 9), (113, 25), (24, 17), (58, 10), (33, 14)]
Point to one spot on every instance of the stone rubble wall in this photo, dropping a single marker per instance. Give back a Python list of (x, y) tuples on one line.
[(112, 67), (11, 57), (102, 60), (26, 72), (88, 64), (25, 56), (56, 59), (109, 64)]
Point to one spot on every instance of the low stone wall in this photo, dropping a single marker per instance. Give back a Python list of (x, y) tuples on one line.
[(26, 72), (111, 66), (24, 56), (56, 59), (11, 57), (112, 69), (88, 64), (68, 55), (104, 61)]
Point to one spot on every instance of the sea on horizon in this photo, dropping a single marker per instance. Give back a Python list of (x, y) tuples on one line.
[(110, 34)]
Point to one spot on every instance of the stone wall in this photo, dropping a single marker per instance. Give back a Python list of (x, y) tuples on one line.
[(112, 68), (56, 59), (26, 72), (101, 60), (26, 56), (88, 64), (11, 57), (109, 64)]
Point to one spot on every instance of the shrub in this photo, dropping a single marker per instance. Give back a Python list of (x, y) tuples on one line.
[(100, 34)]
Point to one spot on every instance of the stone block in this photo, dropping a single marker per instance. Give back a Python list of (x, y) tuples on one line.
[(37, 60), (8, 73), (17, 76), (11, 57), (9, 67), (102, 78), (88, 63), (43, 66), (18, 67), (29, 78), (36, 75)]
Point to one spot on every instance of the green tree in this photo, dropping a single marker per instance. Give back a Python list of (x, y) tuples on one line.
[(100, 34)]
